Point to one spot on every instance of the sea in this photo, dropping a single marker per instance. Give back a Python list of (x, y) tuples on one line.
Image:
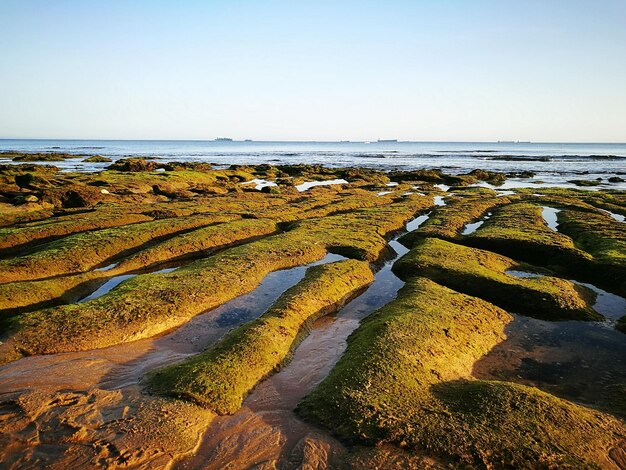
[(554, 164)]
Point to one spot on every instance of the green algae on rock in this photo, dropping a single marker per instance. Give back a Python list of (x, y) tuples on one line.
[(221, 377), (404, 380), (149, 304), (15, 237), (482, 274), (39, 157), (16, 296), (97, 159), (82, 251), (361, 234), (202, 240), (405, 383), (519, 230), (447, 222), (437, 176), (588, 245), (29, 295), (605, 239)]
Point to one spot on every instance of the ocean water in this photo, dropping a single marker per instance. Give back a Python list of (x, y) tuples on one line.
[(554, 163)]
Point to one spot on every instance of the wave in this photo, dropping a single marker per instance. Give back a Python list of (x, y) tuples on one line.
[(469, 151), (553, 158)]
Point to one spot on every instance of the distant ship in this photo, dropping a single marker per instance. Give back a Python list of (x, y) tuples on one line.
[(386, 141), (223, 139)]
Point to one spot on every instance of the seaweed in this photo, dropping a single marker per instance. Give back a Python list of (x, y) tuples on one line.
[(483, 274), (405, 379), (222, 376)]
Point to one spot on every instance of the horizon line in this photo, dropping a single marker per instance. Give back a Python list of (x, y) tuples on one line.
[(384, 141)]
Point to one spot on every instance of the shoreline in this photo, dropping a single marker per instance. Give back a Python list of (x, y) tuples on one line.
[(595, 167)]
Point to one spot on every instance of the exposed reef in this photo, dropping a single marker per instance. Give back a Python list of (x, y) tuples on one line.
[(483, 274), (155, 310), (221, 377), (405, 379)]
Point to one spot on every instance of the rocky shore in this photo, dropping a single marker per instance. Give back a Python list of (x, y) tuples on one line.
[(152, 309)]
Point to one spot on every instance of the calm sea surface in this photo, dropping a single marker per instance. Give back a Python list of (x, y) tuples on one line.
[(554, 163)]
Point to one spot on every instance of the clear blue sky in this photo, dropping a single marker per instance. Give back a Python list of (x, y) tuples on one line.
[(541, 70)]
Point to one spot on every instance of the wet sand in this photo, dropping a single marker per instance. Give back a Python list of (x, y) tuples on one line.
[(107, 382)]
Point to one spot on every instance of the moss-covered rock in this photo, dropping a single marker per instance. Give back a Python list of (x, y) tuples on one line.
[(18, 296), (199, 241), (221, 377), (605, 239), (83, 251), (448, 221), (130, 179), (436, 176), (405, 383), (315, 205), (97, 159), (361, 234), (598, 234), (16, 237), (133, 165), (38, 157), (404, 379), (14, 215), (40, 170), (519, 230), (32, 181), (577, 199), (75, 195), (150, 304), (482, 274), (23, 296), (491, 177), (589, 245), (579, 182)]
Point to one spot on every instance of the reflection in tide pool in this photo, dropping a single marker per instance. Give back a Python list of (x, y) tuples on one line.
[(267, 420), (259, 183), (550, 215), (116, 281), (311, 184), (472, 227), (577, 360)]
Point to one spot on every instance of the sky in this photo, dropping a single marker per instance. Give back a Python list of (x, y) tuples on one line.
[(438, 70)]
